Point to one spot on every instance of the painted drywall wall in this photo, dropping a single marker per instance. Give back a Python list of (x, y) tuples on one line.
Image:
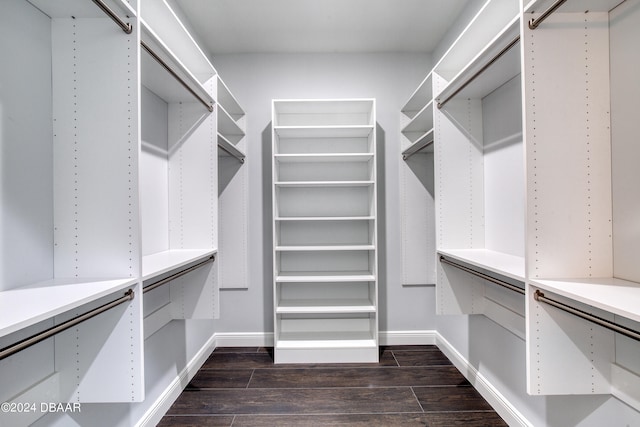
[(256, 79)]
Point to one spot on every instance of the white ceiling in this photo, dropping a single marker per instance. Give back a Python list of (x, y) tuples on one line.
[(313, 26)]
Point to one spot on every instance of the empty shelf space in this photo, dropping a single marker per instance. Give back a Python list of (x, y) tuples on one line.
[(325, 306), (422, 122), (323, 158), (616, 296), (422, 96), (229, 149), (332, 339), (166, 261), (359, 131), (497, 262), (228, 127), (323, 112), (28, 305), (324, 276), (324, 183), (284, 248), (226, 99)]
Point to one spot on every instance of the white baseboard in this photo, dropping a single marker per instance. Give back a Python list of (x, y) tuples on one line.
[(502, 406), (407, 337)]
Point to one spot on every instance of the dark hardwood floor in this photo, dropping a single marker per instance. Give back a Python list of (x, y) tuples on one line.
[(411, 386)]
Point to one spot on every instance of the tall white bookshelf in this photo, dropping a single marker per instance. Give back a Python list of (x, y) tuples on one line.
[(324, 231)]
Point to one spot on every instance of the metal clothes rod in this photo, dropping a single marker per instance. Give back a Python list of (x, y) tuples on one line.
[(178, 274), (126, 27), (483, 276), (41, 336), (480, 71), (533, 23), (406, 156), (539, 296), (240, 159), (175, 75)]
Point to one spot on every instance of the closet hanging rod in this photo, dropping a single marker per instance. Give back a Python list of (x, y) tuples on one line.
[(628, 332), (126, 27), (483, 276), (533, 23), (178, 274), (56, 329), (480, 71), (406, 156), (175, 75), (240, 158)]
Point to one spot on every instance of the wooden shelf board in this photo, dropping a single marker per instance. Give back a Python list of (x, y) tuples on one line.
[(28, 305), (325, 306), (319, 158), (163, 262), (617, 296), (326, 218), (497, 262), (325, 276), (301, 248), (324, 183)]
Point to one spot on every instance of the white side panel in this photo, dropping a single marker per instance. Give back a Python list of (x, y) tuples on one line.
[(101, 359), (418, 219), (568, 147), (26, 170), (195, 295), (233, 222), (625, 108), (95, 127), (458, 292)]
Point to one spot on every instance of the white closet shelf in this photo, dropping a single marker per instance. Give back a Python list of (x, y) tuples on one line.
[(322, 111), (505, 67), (225, 98), (227, 126), (163, 262), (326, 218), (422, 122), (492, 17), (325, 276), (158, 80), (301, 248), (497, 262), (82, 9), (323, 131), (229, 149), (422, 96), (425, 142), (28, 305), (324, 183), (572, 6), (333, 339), (161, 18), (318, 158), (325, 306), (616, 296)]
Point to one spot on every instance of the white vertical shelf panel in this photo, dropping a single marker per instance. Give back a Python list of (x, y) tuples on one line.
[(568, 160), (96, 209)]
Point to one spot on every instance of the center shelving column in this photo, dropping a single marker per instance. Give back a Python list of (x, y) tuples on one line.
[(325, 240)]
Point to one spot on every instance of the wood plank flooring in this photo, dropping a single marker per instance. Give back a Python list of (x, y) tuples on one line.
[(411, 386)]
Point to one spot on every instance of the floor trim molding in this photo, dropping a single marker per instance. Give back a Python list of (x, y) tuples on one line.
[(497, 400)]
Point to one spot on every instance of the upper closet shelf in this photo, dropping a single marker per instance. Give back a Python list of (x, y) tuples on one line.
[(228, 127), (357, 131), (325, 218), (572, 6), (225, 98), (324, 184), (325, 276), (163, 262), (422, 96), (425, 142), (161, 18), (28, 305), (495, 65), (616, 296), (83, 9), (229, 149), (497, 262), (330, 157), (165, 75), (422, 121), (323, 112)]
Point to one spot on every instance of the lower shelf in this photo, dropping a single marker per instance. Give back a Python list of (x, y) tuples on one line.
[(326, 347)]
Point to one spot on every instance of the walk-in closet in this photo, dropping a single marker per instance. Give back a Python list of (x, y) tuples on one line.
[(314, 213)]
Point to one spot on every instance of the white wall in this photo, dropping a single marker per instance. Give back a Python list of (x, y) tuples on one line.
[(255, 80)]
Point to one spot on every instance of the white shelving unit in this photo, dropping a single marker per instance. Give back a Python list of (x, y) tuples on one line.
[(416, 191), (107, 209), (479, 170), (325, 256), (582, 192), (233, 190)]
